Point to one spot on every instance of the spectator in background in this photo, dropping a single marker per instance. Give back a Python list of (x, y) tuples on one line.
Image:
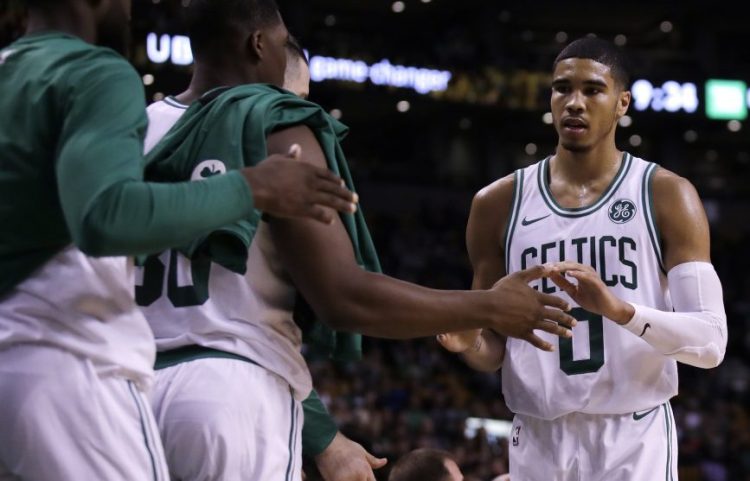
[(426, 464)]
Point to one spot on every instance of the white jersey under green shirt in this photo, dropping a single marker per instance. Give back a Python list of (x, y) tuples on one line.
[(603, 369), (248, 315)]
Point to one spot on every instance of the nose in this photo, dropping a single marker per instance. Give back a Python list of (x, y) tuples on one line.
[(575, 102)]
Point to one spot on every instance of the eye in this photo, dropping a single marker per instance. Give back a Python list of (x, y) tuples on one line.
[(563, 89)]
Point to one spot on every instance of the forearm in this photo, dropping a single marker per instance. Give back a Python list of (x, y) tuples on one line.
[(487, 354), (696, 333), (381, 306), (137, 218), (319, 429)]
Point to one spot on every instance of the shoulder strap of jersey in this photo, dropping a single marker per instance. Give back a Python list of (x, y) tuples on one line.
[(518, 180), (647, 200)]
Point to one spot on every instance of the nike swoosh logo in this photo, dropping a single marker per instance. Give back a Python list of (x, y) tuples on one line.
[(638, 417), (529, 222), (644, 329)]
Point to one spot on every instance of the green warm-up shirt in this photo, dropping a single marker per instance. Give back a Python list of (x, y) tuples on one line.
[(71, 168)]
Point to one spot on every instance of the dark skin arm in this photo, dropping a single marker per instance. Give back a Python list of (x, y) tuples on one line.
[(490, 209), (321, 263), (285, 187)]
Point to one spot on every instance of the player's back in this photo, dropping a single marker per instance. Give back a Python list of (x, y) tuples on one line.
[(50, 291), (197, 302), (604, 369)]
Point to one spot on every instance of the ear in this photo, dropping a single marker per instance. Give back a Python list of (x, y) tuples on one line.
[(255, 42), (623, 103)]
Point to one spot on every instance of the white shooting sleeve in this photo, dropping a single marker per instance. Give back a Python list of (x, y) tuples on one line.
[(696, 333)]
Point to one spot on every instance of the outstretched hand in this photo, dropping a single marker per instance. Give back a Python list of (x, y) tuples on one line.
[(522, 309), (284, 186), (589, 291)]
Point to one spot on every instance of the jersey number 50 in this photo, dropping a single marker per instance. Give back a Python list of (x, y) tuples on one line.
[(180, 296)]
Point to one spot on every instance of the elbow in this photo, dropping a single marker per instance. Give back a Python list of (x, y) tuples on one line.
[(707, 357)]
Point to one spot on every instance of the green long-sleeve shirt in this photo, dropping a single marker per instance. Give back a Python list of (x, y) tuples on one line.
[(72, 118)]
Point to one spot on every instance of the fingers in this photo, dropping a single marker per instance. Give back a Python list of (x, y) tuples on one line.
[(583, 276), (557, 328), (539, 343), (532, 273), (570, 265), (320, 214), (564, 284), (560, 317), (553, 301), (328, 175), (375, 463), (337, 189), (295, 151), (336, 203)]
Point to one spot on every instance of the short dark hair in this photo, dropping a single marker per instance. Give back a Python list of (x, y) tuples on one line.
[(421, 465), (602, 51), (213, 23)]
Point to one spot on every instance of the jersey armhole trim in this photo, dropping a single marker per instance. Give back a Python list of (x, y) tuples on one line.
[(173, 102), (513, 218), (647, 194)]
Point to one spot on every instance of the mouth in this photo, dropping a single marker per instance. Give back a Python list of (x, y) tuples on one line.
[(574, 125)]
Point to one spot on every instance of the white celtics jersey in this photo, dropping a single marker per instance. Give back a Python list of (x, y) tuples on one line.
[(603, 369), (205, 304), (84, 305)]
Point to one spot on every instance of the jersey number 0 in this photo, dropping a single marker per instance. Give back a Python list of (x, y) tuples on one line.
[(596, 345)]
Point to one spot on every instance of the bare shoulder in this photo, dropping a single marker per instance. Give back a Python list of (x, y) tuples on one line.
[(496, 197), (489, 213), (668, 186), (680, 218)]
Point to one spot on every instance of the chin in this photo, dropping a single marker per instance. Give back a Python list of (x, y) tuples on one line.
[(574, 147)]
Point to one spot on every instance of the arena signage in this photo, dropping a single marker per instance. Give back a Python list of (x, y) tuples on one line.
[(176, 50)]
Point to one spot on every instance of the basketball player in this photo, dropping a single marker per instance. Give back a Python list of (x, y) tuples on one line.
[(336, 456), (76, 354), (228, 396), (630, 242)]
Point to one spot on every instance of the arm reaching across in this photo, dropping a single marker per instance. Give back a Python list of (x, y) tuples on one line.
[(321, 262), (487, 220)]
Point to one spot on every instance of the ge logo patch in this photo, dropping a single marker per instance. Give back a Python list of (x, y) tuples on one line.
[(621, 211), (208, 168)]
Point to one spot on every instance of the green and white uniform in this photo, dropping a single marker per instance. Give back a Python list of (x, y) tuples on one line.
[(604, 374), (230, 372), (71, 190), (249, 315)]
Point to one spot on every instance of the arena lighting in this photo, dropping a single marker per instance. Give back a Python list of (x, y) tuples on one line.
[(495, 428), (176, 49)]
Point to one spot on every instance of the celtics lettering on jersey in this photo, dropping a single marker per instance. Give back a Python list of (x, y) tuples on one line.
[(612, 256), (616, 236)]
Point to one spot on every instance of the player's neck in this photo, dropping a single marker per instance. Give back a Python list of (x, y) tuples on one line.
[(71, 20), (208, 77), (588, 166)]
